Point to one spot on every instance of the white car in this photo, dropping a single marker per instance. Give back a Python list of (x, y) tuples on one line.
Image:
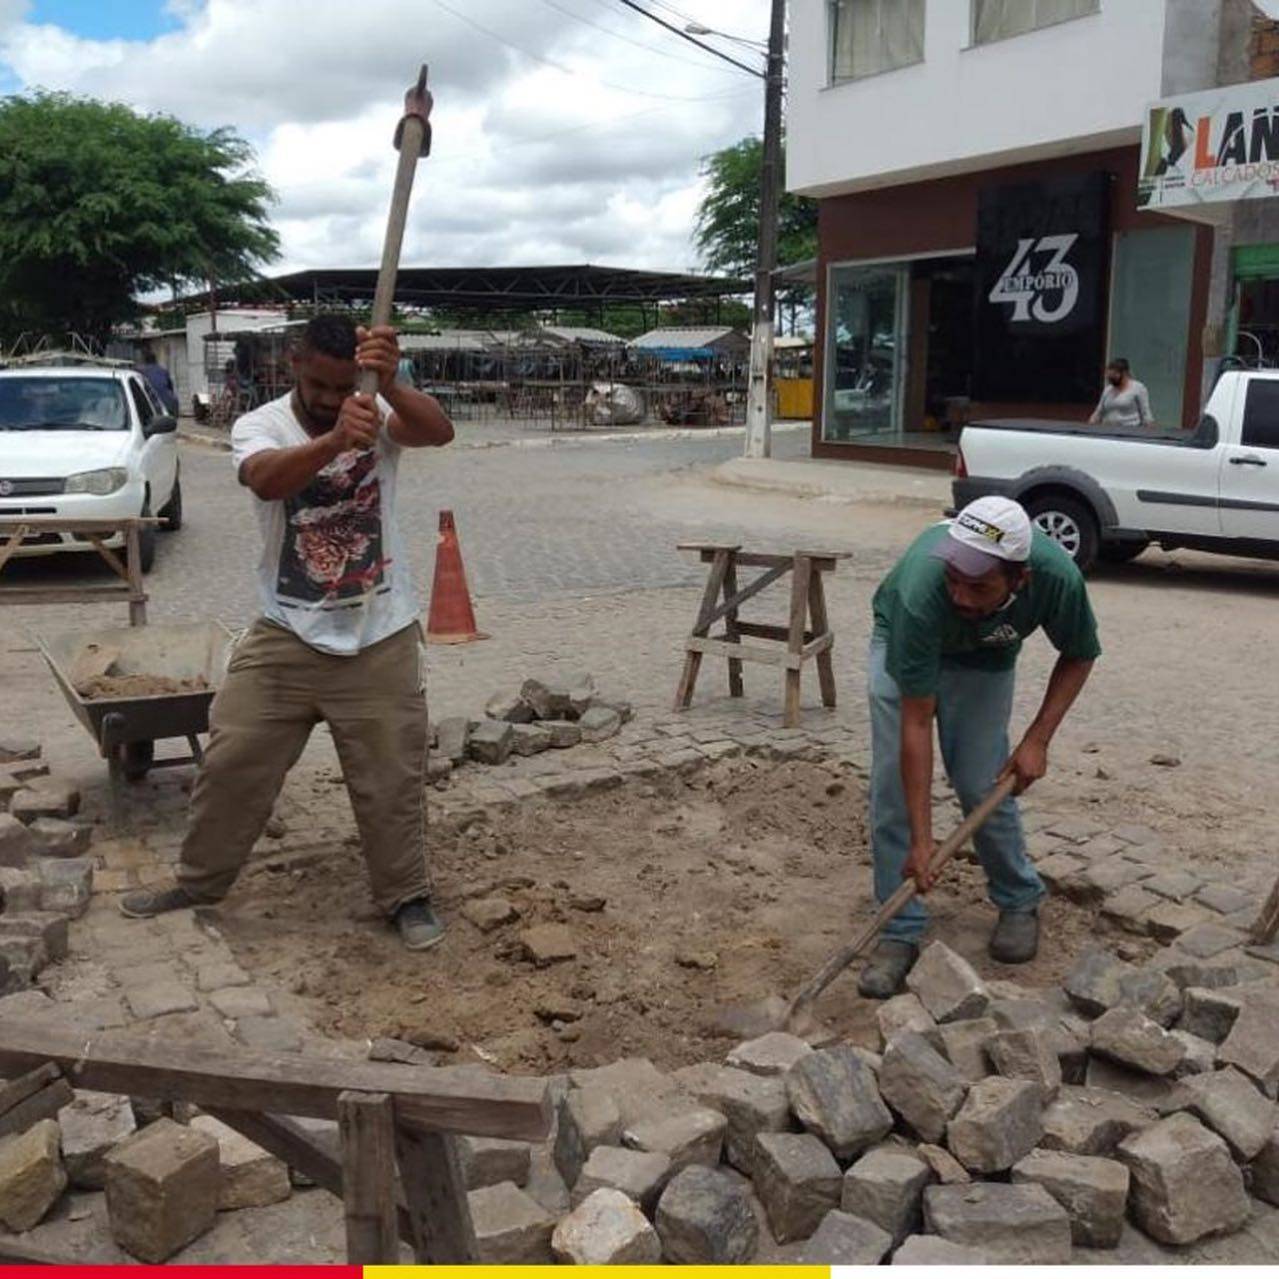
[(1108, 494), (86, 442)]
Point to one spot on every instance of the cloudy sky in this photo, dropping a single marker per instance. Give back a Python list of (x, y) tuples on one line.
[(565, 130)]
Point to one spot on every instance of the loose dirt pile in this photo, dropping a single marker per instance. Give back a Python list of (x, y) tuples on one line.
[(103, 688), (678, 898)]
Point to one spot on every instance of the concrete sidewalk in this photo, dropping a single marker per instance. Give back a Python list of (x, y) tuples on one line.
[(829, 481)]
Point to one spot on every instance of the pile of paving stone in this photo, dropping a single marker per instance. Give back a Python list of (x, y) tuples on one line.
[(45, 876), (165, 1182), (998, 1125), (545, 714)]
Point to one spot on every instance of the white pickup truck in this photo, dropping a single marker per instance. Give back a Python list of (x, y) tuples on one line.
[(1108, 495)]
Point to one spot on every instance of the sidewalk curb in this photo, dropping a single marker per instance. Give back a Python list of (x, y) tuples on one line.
[(222, 444), (203, 440), (753, 474)]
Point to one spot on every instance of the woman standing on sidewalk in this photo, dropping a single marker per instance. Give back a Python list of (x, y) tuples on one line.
[(1124, 401)]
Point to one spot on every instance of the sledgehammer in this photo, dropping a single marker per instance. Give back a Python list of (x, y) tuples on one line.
[(413, 141)]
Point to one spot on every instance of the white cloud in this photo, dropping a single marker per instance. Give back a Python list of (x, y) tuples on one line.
[(594, 158)]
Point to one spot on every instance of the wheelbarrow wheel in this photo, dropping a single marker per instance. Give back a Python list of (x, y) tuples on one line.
[(133, 760)]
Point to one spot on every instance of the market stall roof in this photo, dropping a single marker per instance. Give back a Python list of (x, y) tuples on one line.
[(685, 338), (495, 288), (582, 333)]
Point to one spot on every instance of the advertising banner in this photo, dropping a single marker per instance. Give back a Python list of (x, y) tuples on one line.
[(1041, 290), (1205, 148)]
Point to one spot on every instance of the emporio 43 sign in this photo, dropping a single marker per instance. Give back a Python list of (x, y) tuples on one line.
[(1221, 144)]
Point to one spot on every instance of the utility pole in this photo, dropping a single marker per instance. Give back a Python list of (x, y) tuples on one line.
[(759, 442)]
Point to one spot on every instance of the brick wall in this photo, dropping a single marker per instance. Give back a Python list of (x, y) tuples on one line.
[(1263, 48)]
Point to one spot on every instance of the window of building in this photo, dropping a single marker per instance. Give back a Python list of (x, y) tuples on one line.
[(1261, 415), (870, 36), (999, 19)]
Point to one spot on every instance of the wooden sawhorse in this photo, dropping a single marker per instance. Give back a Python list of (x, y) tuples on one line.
[(14, 530), (806, 635)]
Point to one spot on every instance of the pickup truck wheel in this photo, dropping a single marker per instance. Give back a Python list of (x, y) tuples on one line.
[(1070, 524)]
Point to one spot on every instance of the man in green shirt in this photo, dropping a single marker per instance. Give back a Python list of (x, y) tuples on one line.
[(949, 622)]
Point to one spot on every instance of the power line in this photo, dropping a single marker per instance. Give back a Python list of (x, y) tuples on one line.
[(683, 35), (695, 22), (688, 19), (563, 70), (617, 35)]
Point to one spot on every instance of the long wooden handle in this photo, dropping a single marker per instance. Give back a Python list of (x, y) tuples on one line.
[(411, 134), (907, 890)]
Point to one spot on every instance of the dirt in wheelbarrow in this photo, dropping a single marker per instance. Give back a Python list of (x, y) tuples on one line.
[(103, 688), (671, 900)]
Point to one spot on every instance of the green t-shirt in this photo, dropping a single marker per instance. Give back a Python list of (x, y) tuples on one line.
[(913, 613)]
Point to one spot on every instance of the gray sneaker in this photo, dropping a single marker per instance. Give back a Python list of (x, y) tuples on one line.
[(147, 902), (418, 927), (886, 969), (1016, 936)]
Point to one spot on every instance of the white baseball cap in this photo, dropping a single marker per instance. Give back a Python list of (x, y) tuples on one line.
[(987, 532)]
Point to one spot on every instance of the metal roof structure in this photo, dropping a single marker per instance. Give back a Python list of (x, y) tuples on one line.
[(488, 288), (688, 338), (581, 333), (449, 340)]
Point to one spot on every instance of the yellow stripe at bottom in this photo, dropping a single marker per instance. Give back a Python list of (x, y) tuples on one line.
[(591, 1272)]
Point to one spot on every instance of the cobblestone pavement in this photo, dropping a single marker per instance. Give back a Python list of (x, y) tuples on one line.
[(571, 555), (534, 523), (570, 552)]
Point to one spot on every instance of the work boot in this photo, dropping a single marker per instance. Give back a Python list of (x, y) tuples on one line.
[(147, 902), (418, 927), (886, 969), (1016, 936)]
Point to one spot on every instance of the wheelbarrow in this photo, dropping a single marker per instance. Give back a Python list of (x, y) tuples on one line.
[(126, 729)]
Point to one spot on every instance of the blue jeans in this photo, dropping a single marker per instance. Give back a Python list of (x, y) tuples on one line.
[(973, 710)]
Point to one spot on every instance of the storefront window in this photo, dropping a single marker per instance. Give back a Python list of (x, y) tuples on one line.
[(1150, 312), (870, 36), (865, 331), (999, 19)]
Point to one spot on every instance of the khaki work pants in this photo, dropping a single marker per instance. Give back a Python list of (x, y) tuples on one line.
[(277, 689)]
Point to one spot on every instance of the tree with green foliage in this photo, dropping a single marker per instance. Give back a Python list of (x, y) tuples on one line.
[(727, 228), (99, 204)]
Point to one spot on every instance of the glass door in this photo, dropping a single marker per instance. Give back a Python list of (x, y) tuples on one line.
[(865, 347), (1150, 313)]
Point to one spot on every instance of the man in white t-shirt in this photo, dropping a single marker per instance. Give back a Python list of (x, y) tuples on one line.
[(338, 640)]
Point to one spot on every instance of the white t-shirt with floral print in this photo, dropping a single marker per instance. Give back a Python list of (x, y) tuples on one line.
[(333, 568)]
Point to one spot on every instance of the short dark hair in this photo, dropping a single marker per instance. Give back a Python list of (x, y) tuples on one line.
[(1119, 364), (329, 335), (148, 356)]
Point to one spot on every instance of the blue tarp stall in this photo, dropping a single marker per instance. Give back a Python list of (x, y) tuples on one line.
[(679, 354)]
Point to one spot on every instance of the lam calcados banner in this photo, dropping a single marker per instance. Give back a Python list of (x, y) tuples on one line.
[(1206, 148)]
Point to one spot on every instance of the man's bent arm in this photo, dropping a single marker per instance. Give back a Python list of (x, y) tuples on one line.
[(418, 420), (917, 775), (277, 474), (1030, 760)]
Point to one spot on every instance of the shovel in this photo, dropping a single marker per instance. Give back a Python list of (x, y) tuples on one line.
[(413, 141), (797, 1016)]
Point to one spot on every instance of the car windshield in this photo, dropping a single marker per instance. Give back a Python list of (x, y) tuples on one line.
[(62, 404)]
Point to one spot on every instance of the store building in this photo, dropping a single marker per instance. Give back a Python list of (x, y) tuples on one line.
[(991, 230)]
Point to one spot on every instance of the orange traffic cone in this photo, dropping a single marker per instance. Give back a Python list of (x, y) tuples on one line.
[(451, 619)]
